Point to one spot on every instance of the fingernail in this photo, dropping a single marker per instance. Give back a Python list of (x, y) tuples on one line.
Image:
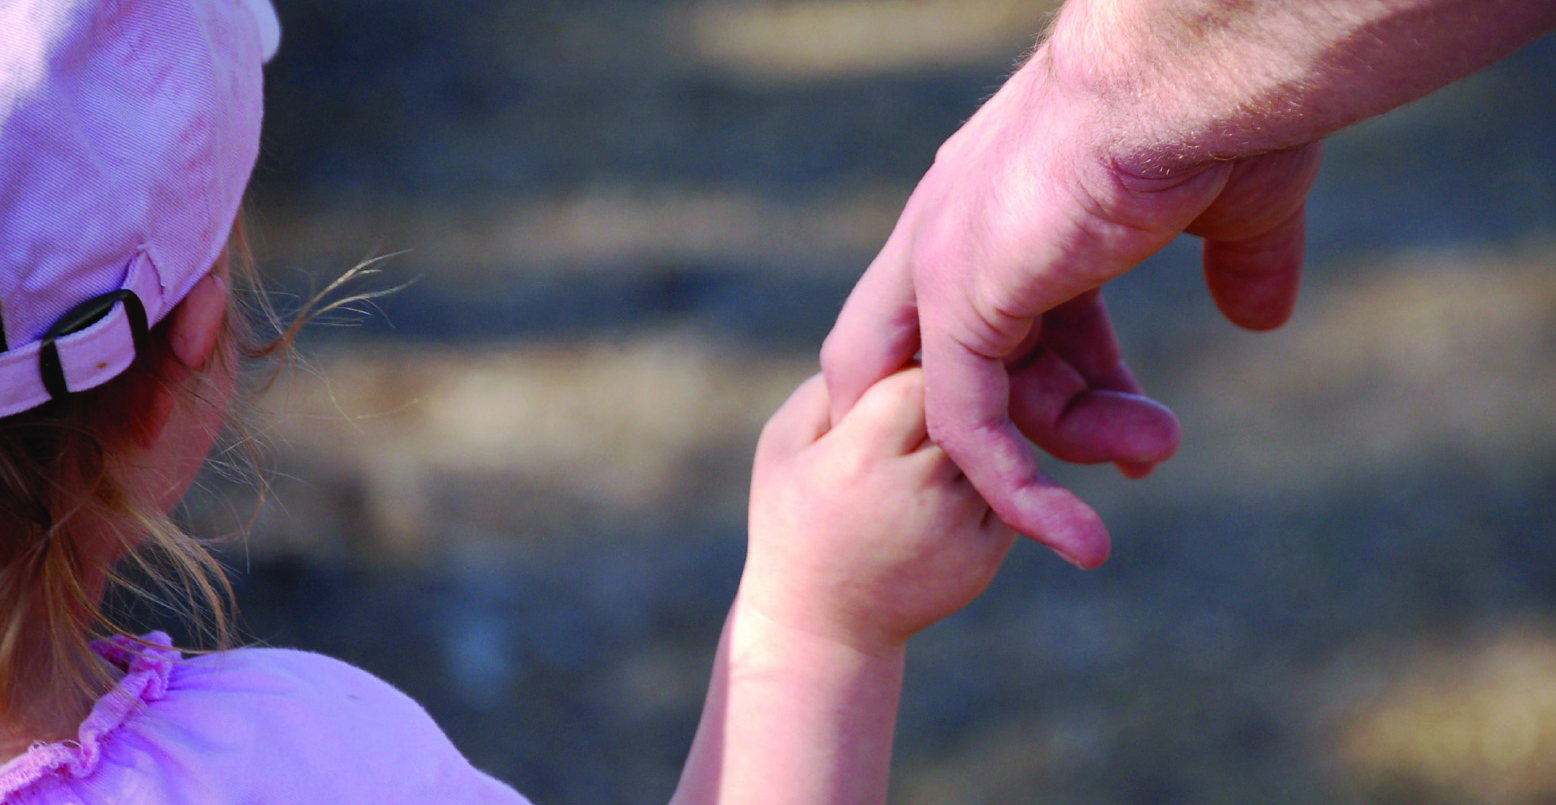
[(1083, 559), (1135, 470), (1072, 559)]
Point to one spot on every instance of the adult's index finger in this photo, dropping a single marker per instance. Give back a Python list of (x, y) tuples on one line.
[(966, 398), (876, 334)]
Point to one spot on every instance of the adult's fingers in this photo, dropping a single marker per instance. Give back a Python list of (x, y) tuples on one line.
[(1254, 235), (1124, 380), (1080, 332), (968, 413), (1254, 281), (877, 331), (1054, 406)]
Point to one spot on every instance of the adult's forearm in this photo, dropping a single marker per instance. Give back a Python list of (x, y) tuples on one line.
[(792, 718), (1187, 82)]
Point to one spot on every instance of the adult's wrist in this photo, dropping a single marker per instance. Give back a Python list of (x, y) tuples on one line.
[(1093, 49), (1149, 85), (1192, 81)]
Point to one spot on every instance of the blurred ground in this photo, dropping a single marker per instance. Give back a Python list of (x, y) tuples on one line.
[(518, 493)]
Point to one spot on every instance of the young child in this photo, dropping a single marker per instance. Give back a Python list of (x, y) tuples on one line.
[(127, 133)]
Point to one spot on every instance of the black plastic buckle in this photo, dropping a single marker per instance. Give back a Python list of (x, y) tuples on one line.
[(79, 318)]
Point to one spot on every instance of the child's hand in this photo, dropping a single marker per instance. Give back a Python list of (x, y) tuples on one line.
[(861, 535), (865, 533)]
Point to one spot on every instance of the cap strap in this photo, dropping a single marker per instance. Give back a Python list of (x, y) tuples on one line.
[(79, 318), (88, 346)]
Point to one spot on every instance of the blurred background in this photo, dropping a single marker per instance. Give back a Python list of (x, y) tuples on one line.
[(517, 489)]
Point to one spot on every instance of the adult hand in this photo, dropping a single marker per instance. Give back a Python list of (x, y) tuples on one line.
[(1134, 122), (997, 261)]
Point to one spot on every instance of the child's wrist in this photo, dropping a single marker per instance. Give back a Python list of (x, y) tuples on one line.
[(817, 611), (793, 717), (762, 641)]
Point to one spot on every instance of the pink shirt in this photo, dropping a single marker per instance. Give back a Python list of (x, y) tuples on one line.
[(252, 725)]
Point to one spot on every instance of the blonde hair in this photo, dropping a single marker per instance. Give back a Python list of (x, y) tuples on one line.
[(62, 481)]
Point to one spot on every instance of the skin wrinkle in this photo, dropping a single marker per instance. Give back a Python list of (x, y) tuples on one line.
[(1103, 237), (994, 331), (983, 332), (1258, 198), (981, 430)]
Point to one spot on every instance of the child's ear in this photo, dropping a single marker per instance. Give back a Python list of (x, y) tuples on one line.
[(195, 325), (193, 328)]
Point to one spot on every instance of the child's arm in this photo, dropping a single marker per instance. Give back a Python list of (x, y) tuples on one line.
[(792, 718), (861, 536)]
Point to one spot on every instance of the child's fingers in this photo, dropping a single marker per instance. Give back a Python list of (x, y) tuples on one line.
[(938, 468), (942, 477), (799, 422), (978, 520), (890, 415)]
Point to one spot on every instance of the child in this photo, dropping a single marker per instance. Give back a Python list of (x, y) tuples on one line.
[(127, 133)]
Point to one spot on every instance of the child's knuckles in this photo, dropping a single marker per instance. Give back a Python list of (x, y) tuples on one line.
[(935, 472), (938, 464), (901, 393), (845, 470), (798, 422), (766, 441)]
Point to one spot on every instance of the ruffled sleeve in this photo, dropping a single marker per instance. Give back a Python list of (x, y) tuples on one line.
[(147, 663), (246, 726)]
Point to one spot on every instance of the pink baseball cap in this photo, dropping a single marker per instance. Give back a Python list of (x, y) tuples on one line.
[(128, 130)]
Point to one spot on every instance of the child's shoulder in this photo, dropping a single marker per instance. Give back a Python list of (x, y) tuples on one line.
[(249, 725), (311, 715), (297, 684)]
